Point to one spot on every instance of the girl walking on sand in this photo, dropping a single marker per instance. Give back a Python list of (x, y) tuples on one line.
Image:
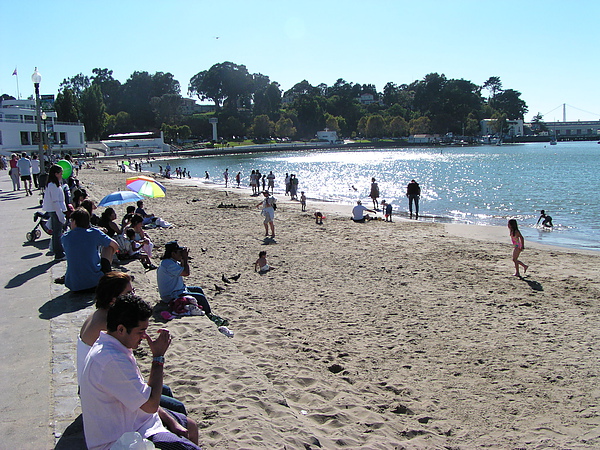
[(518, 244)]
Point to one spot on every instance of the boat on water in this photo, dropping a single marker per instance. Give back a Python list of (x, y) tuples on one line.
[(553, 142)]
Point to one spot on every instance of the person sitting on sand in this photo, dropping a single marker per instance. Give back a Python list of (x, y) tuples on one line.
[(136, 252), (261, 265), (129, 213), (518, 244), (85, 264), (358, 213), (142, 212), (115, 399), (547, 220), (140, 234), (169, 277)]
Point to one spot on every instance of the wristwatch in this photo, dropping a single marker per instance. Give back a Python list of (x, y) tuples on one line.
[(159, 360)]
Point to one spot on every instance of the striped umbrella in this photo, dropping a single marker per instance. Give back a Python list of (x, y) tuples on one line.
[(146, 186)]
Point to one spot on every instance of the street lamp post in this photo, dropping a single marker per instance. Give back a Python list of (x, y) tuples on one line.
[(37, 79)]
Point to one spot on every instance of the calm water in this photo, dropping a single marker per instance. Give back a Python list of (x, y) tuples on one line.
[(481, 185)]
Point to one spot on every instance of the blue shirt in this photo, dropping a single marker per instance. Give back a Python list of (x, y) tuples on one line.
[(169, 280), (83, 257)]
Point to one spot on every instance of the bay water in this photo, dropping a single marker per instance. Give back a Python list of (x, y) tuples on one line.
[(483, 185)]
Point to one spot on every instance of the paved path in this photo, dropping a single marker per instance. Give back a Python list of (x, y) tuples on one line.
[(37, 327)]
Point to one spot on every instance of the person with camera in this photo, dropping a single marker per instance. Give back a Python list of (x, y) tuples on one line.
[(169, 277)]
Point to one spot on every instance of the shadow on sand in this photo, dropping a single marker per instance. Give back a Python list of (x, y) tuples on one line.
[(534, 285)]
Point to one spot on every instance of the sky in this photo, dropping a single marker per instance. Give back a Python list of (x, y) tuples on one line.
[(545, 49)]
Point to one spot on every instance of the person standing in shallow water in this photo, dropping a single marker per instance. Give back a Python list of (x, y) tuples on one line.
[(518, 246), (413, 192), (374, 194)]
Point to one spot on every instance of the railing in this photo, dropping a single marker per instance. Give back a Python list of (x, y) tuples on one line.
[(3, 119)]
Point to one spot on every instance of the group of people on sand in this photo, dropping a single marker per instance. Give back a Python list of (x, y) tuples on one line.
[(115, 397)]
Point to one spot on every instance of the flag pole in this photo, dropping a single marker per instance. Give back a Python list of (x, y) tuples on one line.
[(15, 73)]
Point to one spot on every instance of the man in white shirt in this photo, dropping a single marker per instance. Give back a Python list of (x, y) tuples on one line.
[(24, 165), (358, 212), (115, 399)]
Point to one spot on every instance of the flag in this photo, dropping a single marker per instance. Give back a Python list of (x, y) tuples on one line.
[(15, 72)]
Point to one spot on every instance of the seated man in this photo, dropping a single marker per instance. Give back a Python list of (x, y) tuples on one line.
[(115, 399), (358, 213), (169, 277), (85, 264), (142, 212)]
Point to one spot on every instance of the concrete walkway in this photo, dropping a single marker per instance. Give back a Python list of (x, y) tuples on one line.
[(38, 325)]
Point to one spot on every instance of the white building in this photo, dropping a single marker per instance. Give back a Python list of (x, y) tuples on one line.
[(140, 143), (515, 128), (327, 135), (18, 130)]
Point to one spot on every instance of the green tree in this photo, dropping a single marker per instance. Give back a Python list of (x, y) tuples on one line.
[(375, 126), (332, 123), (310, 114), (262, 127), (499, 124), (537, 124), (111, 88), (226, 82), (166, 107), (77, 84), (139, 88), (92, 112), (472, 126), (66, 106), (494, 86), (232, 127), (285, 128), (398, 126), (420, 125), (510, 103)]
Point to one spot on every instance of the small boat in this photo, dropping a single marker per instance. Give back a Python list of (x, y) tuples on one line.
[(553, 142)]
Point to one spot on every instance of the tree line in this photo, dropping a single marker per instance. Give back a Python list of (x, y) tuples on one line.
[(252, 105)]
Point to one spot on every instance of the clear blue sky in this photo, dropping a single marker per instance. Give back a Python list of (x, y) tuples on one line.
[(547, 50)]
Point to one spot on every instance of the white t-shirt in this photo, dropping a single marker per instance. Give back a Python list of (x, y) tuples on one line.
[(112, 390), (358, 212)]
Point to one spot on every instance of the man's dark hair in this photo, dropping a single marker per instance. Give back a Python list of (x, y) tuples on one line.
[(136, 219), (130, 209), (110, 287), (81, 217), (128, 310), (139, 203)]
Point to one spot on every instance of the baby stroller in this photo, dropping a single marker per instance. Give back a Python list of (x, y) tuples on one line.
[(42, 221)]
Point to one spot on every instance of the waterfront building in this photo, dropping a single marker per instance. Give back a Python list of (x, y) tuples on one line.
[(514, 128), (574, 130), (139, 143), (19, 133)]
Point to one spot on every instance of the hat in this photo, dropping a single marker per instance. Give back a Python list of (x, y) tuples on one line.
[(171, 247)]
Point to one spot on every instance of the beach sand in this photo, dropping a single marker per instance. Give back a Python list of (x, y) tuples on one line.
[(406, 335)]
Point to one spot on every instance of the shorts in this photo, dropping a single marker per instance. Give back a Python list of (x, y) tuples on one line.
[(167, 440), (269, 214), (25, 177)]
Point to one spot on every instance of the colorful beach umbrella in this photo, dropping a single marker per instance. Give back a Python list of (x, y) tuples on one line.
[(120, 197), (146, 186)]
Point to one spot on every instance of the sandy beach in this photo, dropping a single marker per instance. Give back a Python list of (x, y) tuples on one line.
[(406, 335)]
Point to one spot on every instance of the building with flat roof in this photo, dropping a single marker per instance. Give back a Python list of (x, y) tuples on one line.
[(574, 130), (19, 133)]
